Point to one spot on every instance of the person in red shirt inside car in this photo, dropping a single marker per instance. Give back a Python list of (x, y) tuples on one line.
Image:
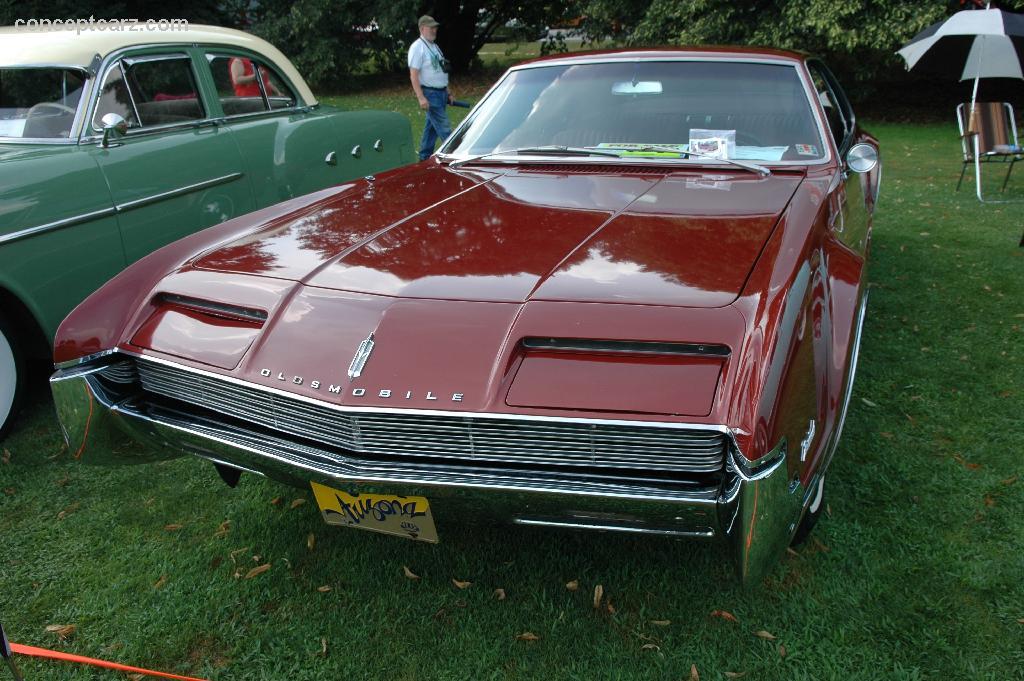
[(243, 78)]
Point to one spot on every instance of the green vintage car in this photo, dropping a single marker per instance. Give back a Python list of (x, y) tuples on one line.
[(114, 143)]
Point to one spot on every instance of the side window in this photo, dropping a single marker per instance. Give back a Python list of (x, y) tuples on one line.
[(246, 85), (115, 98), (830, 104), (164, 90)]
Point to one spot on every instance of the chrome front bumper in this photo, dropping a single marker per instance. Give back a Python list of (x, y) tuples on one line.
[(754, 509)]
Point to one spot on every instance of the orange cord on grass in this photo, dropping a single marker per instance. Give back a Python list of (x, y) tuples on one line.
[(68, 657)]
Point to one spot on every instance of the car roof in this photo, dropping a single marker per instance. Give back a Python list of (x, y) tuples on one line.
[(656, 53), (22, 46)]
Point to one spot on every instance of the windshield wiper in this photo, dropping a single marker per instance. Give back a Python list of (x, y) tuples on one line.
[(746, 165), (551, 150)]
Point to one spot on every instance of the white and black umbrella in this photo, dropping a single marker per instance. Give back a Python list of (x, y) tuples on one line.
[(975, 44)]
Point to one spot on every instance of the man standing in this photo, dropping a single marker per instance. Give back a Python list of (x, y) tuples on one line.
[(428, 71)]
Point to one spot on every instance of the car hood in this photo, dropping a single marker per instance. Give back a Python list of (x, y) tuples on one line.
[(562, 233)]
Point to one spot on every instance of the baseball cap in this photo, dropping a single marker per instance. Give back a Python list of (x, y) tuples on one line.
[(427, 20)]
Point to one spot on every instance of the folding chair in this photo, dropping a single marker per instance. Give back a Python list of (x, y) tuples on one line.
[(989, 136)]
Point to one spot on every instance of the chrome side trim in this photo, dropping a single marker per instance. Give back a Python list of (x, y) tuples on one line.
[(187, 189), (57, 224), (625, 347), (119, 208)]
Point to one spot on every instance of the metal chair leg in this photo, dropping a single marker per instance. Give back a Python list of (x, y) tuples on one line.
[(1007, 178), (963, 170)]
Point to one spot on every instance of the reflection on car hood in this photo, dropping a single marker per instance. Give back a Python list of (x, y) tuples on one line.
[(592, 233)]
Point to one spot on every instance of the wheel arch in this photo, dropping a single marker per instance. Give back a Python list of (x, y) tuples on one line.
[(29, 332)]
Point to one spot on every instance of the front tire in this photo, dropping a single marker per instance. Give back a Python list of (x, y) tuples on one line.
[(810, 519), (12, 376)]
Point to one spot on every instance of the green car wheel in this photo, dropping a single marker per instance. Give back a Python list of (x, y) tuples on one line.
[(12, 376)]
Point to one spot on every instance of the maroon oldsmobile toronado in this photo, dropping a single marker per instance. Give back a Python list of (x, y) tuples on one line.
[(625, 295)]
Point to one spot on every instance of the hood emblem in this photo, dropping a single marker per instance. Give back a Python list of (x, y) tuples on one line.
[(362, 354)]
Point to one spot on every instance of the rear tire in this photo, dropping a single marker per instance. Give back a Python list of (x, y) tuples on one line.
[(12, 376), (810, 519)]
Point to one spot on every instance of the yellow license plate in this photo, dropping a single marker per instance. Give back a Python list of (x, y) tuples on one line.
[(386, 513)]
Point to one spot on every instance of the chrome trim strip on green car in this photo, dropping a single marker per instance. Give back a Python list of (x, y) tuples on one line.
[(119, 208), (57, 224), (205, 184)]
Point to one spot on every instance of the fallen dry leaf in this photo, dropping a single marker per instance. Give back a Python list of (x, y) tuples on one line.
[(528, 636), (694, 676), (661, 623), (573, 585), (972, 466), (1009, 481), (258, 570), (310, 541), (499, 594), (461, 585), (734, 675), (782, 650), (1020, 621), (236, 552), (68, 511), (791, 551), (160, 582), (725, 615), (137, 677), (323, 646), (886, 434), (296, 503), (10, 491), (989, 501), (868, 402), (409, 573), (649, 646), (820, 546), (6, 458), (173, 527), (62, 630), (323, 589), (609, 607), (276, 501), (222, 529), (764, 634), (598, 595)]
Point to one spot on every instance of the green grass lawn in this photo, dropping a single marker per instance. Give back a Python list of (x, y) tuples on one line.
[(916, 571)]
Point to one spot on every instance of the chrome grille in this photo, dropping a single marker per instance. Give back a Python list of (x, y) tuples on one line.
[(471, 438)]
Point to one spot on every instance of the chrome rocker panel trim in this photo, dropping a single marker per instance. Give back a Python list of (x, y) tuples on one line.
[(754, 511)]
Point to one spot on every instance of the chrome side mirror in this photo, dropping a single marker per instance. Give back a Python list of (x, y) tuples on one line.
[(114, 128), (862, 158)]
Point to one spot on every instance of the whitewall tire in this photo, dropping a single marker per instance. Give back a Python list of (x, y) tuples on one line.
[(12, 376)]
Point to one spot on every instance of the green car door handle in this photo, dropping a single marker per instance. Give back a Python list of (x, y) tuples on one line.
[(332, 158)]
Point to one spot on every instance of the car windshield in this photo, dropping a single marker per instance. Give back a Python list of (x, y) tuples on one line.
[(39, 103), (653, 109)]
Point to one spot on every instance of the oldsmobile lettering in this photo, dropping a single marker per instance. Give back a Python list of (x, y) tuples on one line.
[(382, 393)]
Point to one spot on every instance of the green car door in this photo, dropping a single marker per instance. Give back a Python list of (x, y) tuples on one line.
[(176, 170), (291, 149)]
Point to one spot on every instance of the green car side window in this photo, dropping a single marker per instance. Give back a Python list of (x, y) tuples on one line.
[(164, 90), (241, 92)]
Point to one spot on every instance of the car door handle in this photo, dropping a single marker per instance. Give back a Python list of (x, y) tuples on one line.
[(378, 145), (332, 158), (357, 151)]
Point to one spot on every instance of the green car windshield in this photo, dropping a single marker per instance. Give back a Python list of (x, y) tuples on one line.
[(652, 109), (39, 103)]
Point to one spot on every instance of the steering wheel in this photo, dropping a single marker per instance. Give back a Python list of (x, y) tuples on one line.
[(36, 108)]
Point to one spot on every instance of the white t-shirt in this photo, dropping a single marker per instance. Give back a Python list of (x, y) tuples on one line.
[(427, 58)]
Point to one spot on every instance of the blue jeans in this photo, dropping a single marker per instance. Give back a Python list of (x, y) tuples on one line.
[(437, 121)]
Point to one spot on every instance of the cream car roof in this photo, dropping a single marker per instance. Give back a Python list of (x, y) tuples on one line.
[(20, 46)]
